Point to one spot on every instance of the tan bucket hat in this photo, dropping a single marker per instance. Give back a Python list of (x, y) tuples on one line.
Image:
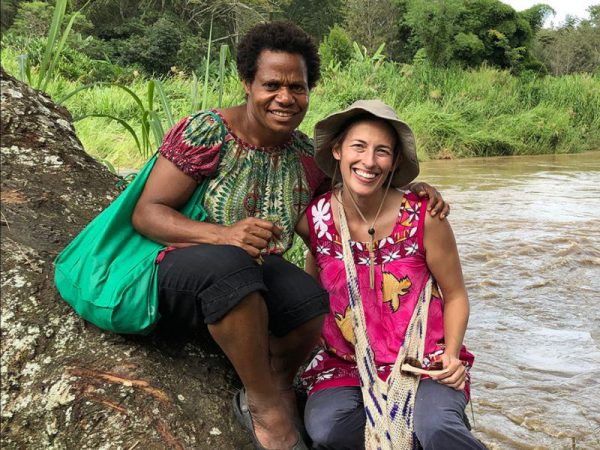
[(328, 128)]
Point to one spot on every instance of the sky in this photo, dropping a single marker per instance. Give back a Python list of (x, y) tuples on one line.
[(562, 7)]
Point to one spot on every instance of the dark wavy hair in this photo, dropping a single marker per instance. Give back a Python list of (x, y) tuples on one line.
[(279, 37)]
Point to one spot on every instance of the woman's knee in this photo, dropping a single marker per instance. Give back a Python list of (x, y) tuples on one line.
[(434, 433), (439, 412), (335, 436), (212, 279), (335, 419)]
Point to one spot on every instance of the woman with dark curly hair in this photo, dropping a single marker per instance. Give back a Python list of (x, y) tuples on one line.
[(227, 272)]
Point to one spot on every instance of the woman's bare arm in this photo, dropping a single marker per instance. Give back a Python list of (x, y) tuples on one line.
[(156, 215), (443, 261), (310, 263)]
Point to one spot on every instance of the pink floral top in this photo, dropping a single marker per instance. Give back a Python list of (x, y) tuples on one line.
[(401, 273)]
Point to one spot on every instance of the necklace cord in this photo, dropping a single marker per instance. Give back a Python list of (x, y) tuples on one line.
[(371, 231)]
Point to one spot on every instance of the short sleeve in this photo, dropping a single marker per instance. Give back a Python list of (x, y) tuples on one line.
[(194, 144)]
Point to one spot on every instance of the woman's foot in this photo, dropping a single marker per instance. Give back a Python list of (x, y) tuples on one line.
[(269, 422)]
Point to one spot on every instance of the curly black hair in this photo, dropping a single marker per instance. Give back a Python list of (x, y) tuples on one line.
[(280, 37)]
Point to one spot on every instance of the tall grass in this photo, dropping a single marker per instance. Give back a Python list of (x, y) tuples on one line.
[(481, 112), (454, 113)]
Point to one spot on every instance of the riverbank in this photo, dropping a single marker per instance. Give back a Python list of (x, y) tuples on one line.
[(455, 113)]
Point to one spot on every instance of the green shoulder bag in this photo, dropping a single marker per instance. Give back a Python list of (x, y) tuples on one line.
[(108, 272)]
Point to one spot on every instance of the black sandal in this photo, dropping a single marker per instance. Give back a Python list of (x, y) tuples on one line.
[(242, 414)]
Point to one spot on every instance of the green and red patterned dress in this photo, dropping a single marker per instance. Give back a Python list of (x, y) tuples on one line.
[(271, 183)]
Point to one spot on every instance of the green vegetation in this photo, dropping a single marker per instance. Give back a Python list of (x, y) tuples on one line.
[(454, 112), (469, 77), (573, 47)]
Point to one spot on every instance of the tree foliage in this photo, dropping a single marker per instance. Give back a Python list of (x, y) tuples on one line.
[(573, 47), (537, 15), (154, 35), (33, 19), (472, 32), (434, 25), (373, 22), (316, 17), (336, 47)]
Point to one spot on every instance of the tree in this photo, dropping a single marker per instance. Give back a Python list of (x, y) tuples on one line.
[(474, 31), (316, 17), (336, 47), (156, 48), (573, 47), (434, 25), (373, 22), (537, 15)]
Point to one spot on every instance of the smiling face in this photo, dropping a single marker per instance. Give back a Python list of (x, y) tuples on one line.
[(366, 156), (278, 96)]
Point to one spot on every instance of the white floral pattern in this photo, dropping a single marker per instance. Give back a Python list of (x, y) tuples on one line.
[(402, 242), (357, 244), (316, 360), (325, 375), (323, 250), (321, 213), (383, 242), (392, 256), (364, 260), (411, 249), (412, 209)]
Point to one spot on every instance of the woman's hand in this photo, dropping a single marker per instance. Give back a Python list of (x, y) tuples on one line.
[(436, 202), (456, 375), (251, 234)]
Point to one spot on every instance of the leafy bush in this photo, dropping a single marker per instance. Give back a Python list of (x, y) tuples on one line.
[(191, 53), (155, 49), (73, 65), (336, 47), (33, 20)]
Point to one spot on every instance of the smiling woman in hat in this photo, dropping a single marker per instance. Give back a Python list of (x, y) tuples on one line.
[(382, 260)]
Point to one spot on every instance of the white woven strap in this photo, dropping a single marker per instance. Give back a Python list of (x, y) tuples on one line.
[(388, 406)]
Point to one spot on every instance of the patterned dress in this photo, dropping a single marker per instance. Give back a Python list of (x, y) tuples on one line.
[(401, 273), (271, 183)]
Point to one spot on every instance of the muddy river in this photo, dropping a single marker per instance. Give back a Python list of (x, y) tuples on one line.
[(528, 231)]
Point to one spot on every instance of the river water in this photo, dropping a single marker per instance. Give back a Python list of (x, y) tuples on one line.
[(528, 231)]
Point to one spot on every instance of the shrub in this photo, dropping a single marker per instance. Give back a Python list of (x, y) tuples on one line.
[(156, 49), (336, 47), (33, 19)]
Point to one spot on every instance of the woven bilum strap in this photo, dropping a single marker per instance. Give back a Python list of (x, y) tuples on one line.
[(389, 405)]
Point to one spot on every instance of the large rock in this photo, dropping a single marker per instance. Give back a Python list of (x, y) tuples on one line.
[(66, 384)]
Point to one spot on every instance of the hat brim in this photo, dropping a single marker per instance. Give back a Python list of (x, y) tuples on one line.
[(328, 128)]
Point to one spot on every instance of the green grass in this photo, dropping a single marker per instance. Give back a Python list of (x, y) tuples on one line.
[(455, 113)]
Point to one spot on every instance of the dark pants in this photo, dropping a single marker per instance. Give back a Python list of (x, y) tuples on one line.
[(200, 284), (335, 418)]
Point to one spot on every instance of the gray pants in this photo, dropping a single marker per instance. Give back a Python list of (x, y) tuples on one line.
[(335, 418)]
